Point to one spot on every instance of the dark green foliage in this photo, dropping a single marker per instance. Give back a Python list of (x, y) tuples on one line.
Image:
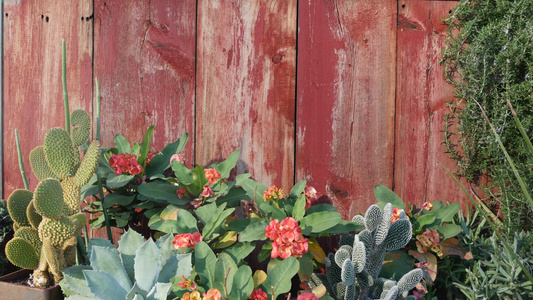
[(6, 226), (489, 59)]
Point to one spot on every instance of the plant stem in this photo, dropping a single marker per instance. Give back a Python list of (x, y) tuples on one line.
[(21, 164), (64, 81), (106, 217)]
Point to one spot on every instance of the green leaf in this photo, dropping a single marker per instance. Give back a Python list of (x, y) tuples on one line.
[(205, 262), (224, 271), (446, 213), (298, 211), (272, 211), (342, 228), (243, 284), (145, 146), (187, 221), (422, 221), (215, 221), (449, 230), (206, 212), (240, 251), (384, 195), (279, 278), (233, 197), (104, 286), (254, 232), (225, 167), (320, 221), (319, 208), (253, 189), (298, 188), (198, 179), (161, 192), (396, 264), (74, 279), (167, 226), (161, 162), (118, 199), (241, 224), (116, 181), (105, 259), (122, 145), (183, 174)]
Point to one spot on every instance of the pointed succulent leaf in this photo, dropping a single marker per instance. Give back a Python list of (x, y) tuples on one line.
[(159, 291), (134, 293), (74, 280), (107, 260), (348, 273), (372, 217), (410, 280), (104, 286), (128, 244), (147, 265), (400, 233), (165, 246), (384, 225)]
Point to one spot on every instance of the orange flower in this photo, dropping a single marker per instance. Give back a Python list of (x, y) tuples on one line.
[(258, 294), (187, 284), (427, 206), (192, 296), (186, 240), (212, 294), (212, 175), (273, 194)]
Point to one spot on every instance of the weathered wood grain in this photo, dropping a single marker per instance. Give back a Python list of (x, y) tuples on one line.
[(246, 86), (33, 96), (422, 94), (144, 59), (345, 107)]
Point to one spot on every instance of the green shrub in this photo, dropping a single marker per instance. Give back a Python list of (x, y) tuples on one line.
[(489, 59)]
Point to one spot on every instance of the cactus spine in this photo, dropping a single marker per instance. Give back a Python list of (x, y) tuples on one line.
[(48, 220), (353, 271)]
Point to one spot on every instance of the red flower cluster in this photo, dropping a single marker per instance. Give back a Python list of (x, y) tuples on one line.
[(287, 238), (258, 294), (186, 240), (429, 239), (212, 175), (273, 193), (125, 163)]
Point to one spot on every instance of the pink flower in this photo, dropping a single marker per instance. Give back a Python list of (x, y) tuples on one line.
[(258, 294), (429, 239), (207, 192), (273, 194), (212, 175), (427, 206), (177, 157), (287, 238), (307, 296), (181, 192), (125, 163), (187, 283), (419, 294), (310, 196), (186, 240), (212, 294)]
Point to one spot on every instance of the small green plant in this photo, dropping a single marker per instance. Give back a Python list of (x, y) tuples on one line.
[(137, 269), (353, 272), (47, 221), (6, 226)]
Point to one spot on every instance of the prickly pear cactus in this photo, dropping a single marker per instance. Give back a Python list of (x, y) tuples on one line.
[(48, 220), (353, 271)]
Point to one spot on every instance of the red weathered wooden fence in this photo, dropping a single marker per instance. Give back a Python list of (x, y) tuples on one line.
[(345, 94)]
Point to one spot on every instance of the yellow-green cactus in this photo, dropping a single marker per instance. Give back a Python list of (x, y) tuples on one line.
[(48, 220)]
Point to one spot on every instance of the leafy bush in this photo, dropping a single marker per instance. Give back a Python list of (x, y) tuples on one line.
[(489, 60)]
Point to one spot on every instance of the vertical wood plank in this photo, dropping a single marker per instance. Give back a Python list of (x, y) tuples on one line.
[(422, 95), (246, 86), (145, 64), (346, 90), (33, 96)]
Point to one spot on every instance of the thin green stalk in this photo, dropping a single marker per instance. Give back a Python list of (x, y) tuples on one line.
[(106, 217), (97, 110), (21, 164), (494, 228), (520, 127), (64, 80)]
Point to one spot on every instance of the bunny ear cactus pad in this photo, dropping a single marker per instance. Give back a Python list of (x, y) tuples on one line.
[(48, 199), (88, 165), (60, 154), (80, 122), (22, 253), (17, 203), (34, 218), (39, 165)]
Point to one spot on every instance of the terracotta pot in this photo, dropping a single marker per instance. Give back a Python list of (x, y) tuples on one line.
[(13, 291)]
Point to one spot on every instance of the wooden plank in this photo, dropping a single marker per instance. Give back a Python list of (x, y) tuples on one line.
[(33, 97), (246, 86), (144, 59), (345, 108), (422, 95)]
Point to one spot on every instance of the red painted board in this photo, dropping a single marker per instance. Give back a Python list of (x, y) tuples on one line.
[(33, 95), (144, 60), (345, 102), (422, 94), (246, 86)]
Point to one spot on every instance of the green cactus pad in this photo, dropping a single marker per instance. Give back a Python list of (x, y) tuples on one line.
[(383, 228), (410, 280), (88, 165), (80, 121), (34, 218), (78, 220), (22, 254), (60, 154), (17, 203), (71, 196), (359, 256), (372, 217), (344, 253), (400, 233), (58, 231), (348, 273), (48, 199), (30, 235), (39, 165)]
